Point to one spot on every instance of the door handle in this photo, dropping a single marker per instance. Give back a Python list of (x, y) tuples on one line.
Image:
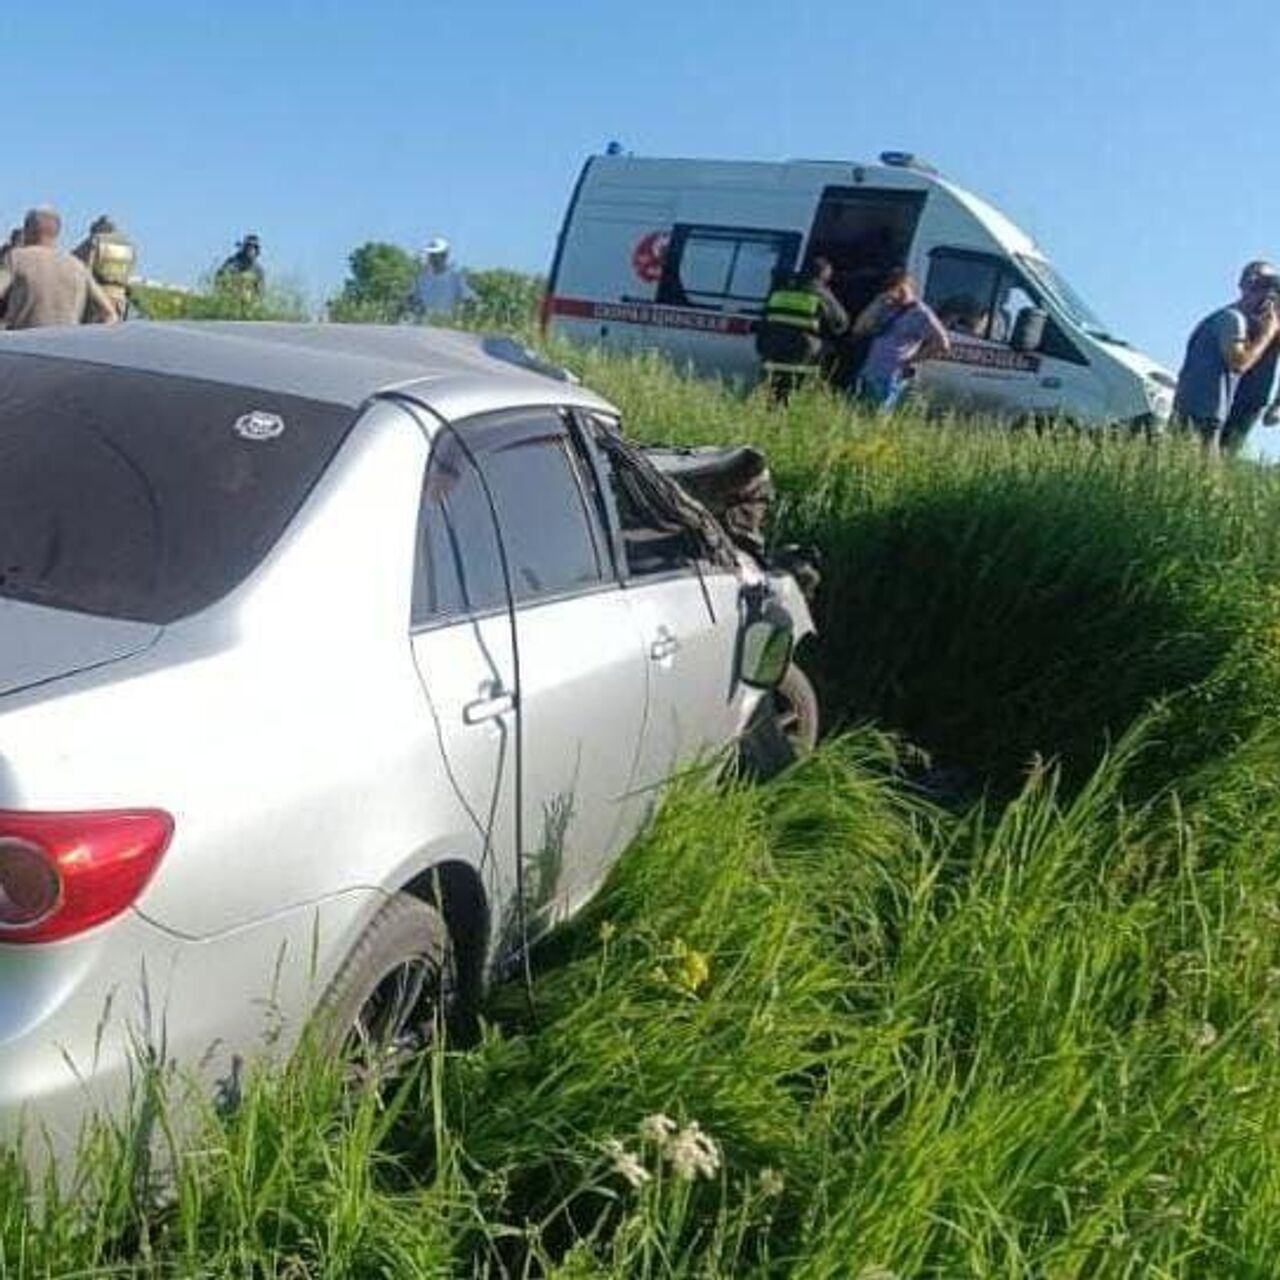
[(490, 707), (665, 646)]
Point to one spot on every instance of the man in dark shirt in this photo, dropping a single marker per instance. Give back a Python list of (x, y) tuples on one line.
[(1223, 347), (1257, 397), (799, 321), (241, 273)]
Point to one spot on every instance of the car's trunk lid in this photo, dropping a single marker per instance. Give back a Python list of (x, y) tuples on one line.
[(38, 644)]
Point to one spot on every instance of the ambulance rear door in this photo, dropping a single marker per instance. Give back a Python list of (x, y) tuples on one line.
[(715, 280)]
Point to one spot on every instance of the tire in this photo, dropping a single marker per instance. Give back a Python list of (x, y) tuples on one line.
[(784, 728), (393, 990), (795, 708)]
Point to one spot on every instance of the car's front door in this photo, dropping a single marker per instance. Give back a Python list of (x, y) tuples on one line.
[(688, 612)]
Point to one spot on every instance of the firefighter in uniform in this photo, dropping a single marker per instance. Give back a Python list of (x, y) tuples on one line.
[(110, 257), (800, 317)]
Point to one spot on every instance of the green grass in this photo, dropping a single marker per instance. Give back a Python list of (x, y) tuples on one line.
[(1033, 1033)]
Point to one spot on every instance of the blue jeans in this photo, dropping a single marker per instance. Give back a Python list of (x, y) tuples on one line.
[(881, 390)]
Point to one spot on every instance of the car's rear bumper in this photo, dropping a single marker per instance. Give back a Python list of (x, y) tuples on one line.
[(82, 1021)]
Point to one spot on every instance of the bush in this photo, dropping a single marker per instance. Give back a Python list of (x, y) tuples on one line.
[(218, 301), (378, 287), (1004, 597), (505, 300)]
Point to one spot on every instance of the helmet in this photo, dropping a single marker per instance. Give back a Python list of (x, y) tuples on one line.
[(437, 244)]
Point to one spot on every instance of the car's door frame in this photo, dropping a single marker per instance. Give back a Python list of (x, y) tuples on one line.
[(605, 669), (701, 584)]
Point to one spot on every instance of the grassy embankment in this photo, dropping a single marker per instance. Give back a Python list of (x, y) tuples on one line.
[(1032, 1034)]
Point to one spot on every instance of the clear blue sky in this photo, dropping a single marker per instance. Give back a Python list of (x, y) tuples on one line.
[(1136, 140)]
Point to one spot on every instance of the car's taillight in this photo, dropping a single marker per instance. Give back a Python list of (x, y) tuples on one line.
[(62, 873)]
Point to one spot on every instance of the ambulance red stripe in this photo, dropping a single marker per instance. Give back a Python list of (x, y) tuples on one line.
[(658, 315)]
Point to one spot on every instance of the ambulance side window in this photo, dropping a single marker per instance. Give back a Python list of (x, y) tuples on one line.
[(724, 269), (961, 289), (976, 295)]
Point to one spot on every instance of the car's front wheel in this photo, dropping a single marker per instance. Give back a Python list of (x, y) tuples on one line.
[(795, 708), (389, 998), (784, 727)]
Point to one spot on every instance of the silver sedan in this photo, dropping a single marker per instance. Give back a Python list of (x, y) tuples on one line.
[(335, 665)]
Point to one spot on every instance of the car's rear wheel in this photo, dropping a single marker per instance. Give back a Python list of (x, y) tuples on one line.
[(390, 997)]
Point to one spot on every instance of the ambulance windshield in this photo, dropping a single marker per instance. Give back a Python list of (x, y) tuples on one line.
[(1073, 306)]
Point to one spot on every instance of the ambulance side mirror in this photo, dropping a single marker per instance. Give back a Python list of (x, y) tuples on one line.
[(1028, 329)]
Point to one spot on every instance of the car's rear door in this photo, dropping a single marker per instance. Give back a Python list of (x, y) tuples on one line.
[(465, 665), (576, 666)]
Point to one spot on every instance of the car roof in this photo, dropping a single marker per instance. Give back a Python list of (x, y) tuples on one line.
[(451, 372)]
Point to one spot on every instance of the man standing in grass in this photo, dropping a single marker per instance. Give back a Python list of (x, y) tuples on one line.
[(902, 329), (1256, 399), (40, 285), (440, 289), (110, 257), (1224, 347), (801, 317), (241, 274)]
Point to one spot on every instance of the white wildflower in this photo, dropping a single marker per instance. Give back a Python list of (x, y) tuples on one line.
[(626, 1164), (771, 1183), (658, 1129), (693, 1154), (1206, 1036)]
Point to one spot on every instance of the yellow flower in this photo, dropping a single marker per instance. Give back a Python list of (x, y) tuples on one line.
[(692, 968)]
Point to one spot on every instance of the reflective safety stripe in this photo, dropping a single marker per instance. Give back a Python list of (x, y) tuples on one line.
[(797, 308), (777, 366)]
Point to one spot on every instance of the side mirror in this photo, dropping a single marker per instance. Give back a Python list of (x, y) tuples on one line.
[(765, 651), (1028, 329)]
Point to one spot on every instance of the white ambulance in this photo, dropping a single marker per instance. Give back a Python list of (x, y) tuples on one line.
[(678, 256)]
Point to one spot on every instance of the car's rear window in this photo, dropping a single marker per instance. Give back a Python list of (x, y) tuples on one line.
[(142, 495)]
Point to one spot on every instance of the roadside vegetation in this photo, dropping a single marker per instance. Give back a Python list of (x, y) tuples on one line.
[(376, 290), (990, 986)]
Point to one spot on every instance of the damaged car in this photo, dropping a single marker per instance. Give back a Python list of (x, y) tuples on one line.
[(336, 664)]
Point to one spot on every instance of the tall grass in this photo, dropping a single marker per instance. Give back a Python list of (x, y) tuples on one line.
[(1000, 597), (1033, 1033)]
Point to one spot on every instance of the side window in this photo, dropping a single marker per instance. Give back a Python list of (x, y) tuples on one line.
[(980, 297), (1059, 346), (723, 268), (961, 289), (551, 535), (458, 570), (651, 544)]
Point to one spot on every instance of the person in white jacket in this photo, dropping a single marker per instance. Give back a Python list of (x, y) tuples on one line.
[(440, 288)]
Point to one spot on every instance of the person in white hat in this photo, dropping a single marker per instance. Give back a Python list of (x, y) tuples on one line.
[(440, 288)]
